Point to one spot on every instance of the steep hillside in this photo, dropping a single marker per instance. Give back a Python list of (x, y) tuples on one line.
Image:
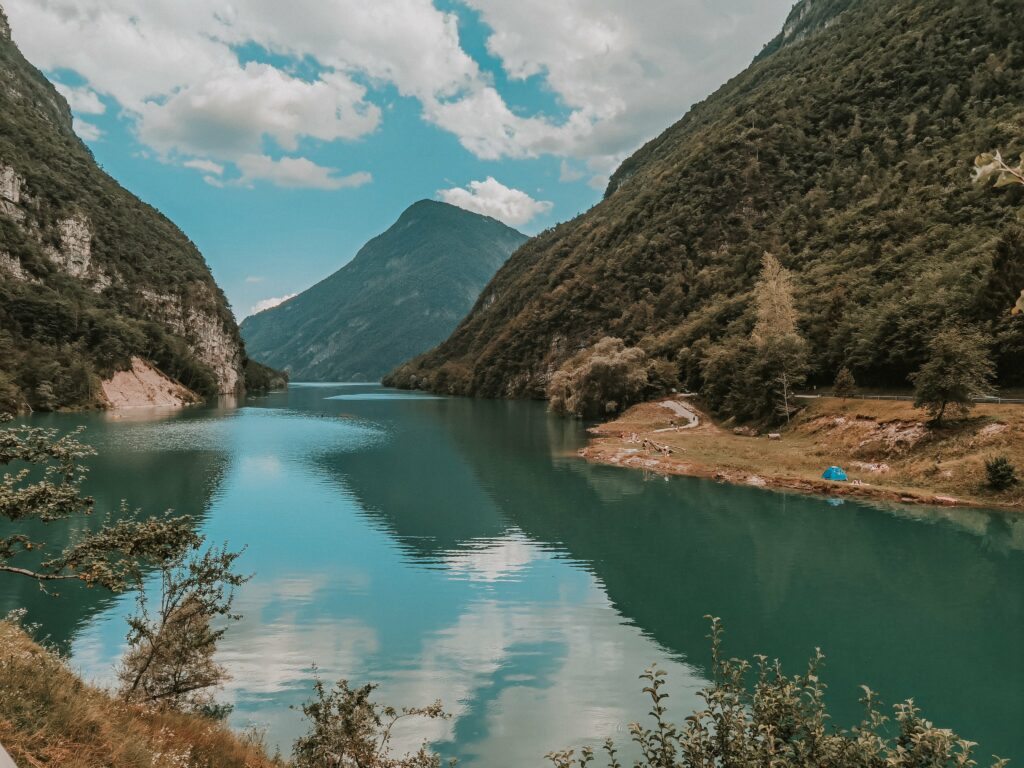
[(90, 276), (403, 293), (845, 150)]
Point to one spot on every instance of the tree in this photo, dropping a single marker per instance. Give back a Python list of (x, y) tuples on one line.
[(779, 363), (844, 385), (48, 487), (601, 379), (782, 722), (958, 369), (348, 730), (169, 662)]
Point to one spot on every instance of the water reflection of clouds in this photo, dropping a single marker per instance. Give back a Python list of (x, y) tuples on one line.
[(520, 675), (491, 559)]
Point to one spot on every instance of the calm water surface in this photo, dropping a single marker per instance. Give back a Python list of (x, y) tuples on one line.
[(457, 549)]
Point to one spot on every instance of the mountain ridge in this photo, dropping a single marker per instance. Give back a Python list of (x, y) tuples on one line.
[(431, 263), (847, 153)]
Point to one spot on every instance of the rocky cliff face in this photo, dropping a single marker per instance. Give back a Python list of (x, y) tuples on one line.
[(90, 276)]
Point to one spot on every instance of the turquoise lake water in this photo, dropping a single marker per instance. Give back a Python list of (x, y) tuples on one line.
[(458, 549)]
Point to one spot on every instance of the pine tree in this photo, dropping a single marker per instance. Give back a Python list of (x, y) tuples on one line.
[(844, 385)]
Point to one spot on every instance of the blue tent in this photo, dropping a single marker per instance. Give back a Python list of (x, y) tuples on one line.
[(834, 473)]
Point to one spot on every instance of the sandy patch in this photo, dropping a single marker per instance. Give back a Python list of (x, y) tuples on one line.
[(143, 386)]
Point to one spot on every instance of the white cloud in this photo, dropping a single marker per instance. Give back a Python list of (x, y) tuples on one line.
[(83, 100), (492, 198), (86, 130), (254, 279), (619, 73), (230, 113), (296, 172), (206, 166), (266, 304)]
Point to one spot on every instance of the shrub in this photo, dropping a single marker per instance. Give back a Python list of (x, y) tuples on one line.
[(782, 722), (347, 728), (1001, 473)]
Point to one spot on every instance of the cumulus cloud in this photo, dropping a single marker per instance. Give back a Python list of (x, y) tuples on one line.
[(231, 113), (206, 166), (83, 100), (86, 130), (619, 74), (296, 172), (492, 198), (266, 304)]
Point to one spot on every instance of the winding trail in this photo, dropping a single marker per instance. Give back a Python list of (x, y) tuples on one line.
[(682, 412)]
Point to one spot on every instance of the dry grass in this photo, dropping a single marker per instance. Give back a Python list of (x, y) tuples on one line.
[(49, 717), (885, 445)]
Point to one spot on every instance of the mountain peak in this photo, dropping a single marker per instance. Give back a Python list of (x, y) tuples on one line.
[(403, 292), (438, 209), (806, 18)]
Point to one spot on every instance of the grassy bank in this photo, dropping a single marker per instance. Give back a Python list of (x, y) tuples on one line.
[(887, 448), (49, 717)]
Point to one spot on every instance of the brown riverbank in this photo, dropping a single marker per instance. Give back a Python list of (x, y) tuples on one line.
[(49, 717), (887, 449)]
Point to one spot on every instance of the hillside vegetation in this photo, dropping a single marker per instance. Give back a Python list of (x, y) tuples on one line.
[(845, 150), (89, 274), (403, 293)]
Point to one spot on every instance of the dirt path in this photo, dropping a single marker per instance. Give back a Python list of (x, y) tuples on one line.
[(680, 410)]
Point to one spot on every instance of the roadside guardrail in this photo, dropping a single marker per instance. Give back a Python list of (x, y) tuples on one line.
[(910, 398)]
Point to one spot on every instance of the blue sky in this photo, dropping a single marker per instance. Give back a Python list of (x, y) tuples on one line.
[(282, 136)]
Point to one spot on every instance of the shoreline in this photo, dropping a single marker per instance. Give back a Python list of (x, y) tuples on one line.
[(646, 438)]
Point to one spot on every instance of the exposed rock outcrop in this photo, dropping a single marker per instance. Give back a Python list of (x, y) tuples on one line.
[(75, 250), (208, 336)]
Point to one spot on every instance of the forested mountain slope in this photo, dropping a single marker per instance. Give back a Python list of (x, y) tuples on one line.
[(404, 292), (89, 274), (845, 150)]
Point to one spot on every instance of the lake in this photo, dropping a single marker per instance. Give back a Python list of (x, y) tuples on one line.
[(458, 549)]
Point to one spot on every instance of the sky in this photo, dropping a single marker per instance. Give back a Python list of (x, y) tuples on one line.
[(281, 136)]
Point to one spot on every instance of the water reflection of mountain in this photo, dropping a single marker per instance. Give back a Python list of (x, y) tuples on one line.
[(922, 608), (151, 480)]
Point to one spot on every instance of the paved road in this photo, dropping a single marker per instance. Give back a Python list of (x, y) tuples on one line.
[(5, 759)]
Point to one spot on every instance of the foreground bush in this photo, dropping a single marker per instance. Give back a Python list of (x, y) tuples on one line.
[(349, 730), (782, 723)]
